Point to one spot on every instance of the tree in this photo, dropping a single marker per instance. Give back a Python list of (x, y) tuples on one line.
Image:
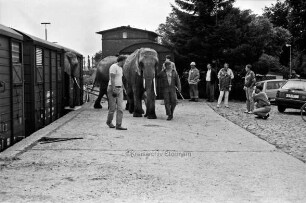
[(297, 23), (98, 56), (278, 14), (200, 32)]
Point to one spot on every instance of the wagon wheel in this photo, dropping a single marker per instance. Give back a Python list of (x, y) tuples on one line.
[(303, 112)]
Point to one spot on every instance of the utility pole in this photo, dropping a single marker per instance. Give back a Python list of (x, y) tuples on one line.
[(289, 45), (46, 38)]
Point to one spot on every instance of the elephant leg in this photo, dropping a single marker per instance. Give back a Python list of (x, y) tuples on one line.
[(102, 91), (127, 100), (138, 111), (71, 93), (130, 100)]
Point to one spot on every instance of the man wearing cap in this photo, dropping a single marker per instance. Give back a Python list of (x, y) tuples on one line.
[(193, 79), (169, 81), (115, 94)]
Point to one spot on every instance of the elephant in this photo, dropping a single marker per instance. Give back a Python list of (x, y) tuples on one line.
[(102, 77), (139, 71), (72, 75)]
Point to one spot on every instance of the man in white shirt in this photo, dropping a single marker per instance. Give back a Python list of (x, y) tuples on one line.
[(115, 93)]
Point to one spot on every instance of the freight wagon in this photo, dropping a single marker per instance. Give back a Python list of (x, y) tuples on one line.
[(11, 87), (35, 84)]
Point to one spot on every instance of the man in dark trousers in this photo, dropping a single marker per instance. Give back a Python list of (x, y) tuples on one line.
[(211, 78), (169, 82)]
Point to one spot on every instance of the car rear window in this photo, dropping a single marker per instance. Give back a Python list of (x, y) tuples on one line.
[(275, 84), (295, 85)]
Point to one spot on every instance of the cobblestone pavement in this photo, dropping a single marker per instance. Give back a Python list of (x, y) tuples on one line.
[(287, 131)]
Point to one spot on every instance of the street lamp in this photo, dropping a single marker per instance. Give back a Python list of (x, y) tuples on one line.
[(45, 29), (289, 45)]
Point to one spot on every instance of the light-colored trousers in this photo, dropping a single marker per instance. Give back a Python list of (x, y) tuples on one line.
[(262, 111), (193, 91), (249, 98), (225, 94), (113, 103)]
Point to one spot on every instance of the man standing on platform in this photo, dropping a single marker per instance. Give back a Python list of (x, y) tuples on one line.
[(211, 77), (115, 93), (193, 79), (170, 81)]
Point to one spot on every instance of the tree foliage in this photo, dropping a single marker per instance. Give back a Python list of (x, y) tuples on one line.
[(98, 56), (291, 14), (204, 31), (278, 13)]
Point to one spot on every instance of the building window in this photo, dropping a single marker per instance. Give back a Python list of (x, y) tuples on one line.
[(124, 35)]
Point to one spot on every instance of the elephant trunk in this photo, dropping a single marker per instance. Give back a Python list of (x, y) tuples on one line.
[(149, 85)]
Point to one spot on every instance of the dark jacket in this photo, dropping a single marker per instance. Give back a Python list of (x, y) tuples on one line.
[(213, 76), (175, 81)]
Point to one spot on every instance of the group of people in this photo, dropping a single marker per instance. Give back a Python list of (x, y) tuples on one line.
[(171, 83), (254, 94)]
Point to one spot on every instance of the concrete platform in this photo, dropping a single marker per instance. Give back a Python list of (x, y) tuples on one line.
[(197, 157)]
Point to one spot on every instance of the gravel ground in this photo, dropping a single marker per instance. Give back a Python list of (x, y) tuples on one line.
[(287, 131)]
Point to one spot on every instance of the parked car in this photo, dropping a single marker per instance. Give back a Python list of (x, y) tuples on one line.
[(291, 95), (270, 87)]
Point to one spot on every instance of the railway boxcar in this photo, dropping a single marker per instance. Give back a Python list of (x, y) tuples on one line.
[(11, 87), (42, 70)]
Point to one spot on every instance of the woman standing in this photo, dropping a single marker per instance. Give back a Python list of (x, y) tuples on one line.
[(225, 77)]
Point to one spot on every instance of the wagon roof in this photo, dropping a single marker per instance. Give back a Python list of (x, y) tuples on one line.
[(40, 41), (10, 32), (70, 50)]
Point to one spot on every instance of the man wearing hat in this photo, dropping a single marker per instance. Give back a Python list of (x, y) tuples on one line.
[(193, 79)]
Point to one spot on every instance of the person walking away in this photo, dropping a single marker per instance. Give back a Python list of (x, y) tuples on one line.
[(170, 81), (211, 77), (263, 106), (172, 64), (249, 82), (115, 94), (225, 76), (193, 79)]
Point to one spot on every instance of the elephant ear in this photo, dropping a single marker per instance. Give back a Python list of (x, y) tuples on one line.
[(131, 63)]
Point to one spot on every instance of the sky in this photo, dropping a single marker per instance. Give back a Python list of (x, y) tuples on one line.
[(74, 23)]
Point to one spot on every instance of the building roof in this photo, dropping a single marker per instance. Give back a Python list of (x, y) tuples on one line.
[(157, 47), (124, 28)]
